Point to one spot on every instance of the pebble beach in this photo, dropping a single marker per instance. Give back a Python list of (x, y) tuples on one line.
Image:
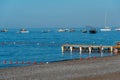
[(104, 68)]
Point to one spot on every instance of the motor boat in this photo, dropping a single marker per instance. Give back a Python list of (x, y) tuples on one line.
[(92, 31), (71, 30), (23, 31), (117, 29), (84, 31), (61, 30), (4, 30)]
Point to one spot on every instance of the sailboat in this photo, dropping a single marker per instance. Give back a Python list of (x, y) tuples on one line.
[(106, 28)]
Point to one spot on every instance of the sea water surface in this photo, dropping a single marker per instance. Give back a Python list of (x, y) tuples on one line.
[(46, 47)]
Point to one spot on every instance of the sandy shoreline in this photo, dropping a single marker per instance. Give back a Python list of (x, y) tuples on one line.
[(106, 68)]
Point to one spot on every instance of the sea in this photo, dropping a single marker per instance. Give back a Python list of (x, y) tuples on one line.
[(18, 49)]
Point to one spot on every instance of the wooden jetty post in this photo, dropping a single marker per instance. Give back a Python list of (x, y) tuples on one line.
[(80, 49), (62, 49), (111, 49), (101, 48), (89, 48), (71, 49)]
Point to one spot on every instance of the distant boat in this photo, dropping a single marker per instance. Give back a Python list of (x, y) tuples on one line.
[(71, 30), (4, 30), (117, 29), (106, 29), (61, 30), (23, 31), (84, 31), (46, 31), (92, 31)]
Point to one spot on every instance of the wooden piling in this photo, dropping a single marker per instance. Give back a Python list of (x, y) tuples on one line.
[(71, 48), (88, 48), (62, 49), (80, 49)]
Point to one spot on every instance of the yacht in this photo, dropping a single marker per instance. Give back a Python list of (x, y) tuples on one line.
[(106, 29), (4, 30), (23, 31)]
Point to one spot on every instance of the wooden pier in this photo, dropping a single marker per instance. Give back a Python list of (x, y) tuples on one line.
[(90, 48)]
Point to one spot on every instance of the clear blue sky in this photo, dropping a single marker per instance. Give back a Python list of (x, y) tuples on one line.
[(51, 13)]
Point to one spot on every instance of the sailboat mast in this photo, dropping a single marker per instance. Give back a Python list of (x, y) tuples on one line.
[(105, 19)]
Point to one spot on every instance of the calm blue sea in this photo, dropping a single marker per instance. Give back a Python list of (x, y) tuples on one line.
[(46, 47)]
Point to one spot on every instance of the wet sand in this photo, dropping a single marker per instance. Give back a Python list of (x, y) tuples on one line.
[(106, 68)]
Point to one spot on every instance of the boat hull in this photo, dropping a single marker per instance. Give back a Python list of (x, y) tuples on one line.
[(105, 29), (117, 29), (61, 30), (92, 31), (24, 31)]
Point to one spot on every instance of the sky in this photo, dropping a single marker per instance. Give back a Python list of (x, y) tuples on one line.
[(59, 13)]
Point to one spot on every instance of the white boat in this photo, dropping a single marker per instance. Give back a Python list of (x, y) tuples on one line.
[(4, 30), (23, 31), (71, 30), (106, 29), (61, 30), (84, 31), (117, 29)]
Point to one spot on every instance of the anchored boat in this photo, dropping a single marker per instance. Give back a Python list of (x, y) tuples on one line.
[(84, 31), (61, 30), (106, 29), (117, 29), (4, 30), (23, 31), (92, 30)]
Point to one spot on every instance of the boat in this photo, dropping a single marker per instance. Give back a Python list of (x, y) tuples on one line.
[(23, 31), (92, 31), (106, 29), (61, 30), (4, 30), (117, 29), (71, 30), (84, 31)]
